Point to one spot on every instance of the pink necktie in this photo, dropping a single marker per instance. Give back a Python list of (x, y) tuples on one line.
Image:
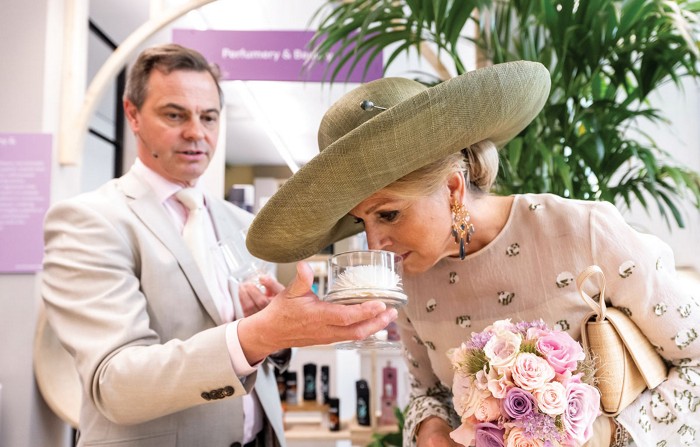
[(194, 233)]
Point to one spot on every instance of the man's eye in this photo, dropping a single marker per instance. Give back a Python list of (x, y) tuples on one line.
[(389, 216), (209, 119), (173, 116)]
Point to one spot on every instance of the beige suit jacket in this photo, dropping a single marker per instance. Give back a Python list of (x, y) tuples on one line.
[(126, 299)]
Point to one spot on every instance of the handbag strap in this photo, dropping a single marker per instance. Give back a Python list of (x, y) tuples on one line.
[(585, 275)]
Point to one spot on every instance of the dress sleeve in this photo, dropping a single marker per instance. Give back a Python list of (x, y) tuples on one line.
[(428, 396), (642, 282)]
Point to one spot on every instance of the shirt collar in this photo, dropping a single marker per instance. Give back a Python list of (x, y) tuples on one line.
[(163, 188)]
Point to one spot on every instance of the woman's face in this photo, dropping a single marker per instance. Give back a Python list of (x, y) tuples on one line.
[(418, 229)]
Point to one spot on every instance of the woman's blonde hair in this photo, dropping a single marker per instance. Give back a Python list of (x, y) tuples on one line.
[(478, 163)]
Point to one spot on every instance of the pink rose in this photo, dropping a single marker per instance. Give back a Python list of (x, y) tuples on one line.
[(458, 355), (561, 351), (488, 410), (531, 372), (551, 398), (465, 396), (517, 438), (582, 407), (500, 326), (536, 332), (481, 380), (464, 434), (498, 384)]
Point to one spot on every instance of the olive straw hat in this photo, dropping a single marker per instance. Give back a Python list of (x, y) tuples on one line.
[(365, 148)]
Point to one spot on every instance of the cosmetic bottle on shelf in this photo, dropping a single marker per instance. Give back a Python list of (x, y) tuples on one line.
[(388, 400), (363, 408)]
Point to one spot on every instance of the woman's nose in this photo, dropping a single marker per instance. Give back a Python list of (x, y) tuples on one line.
[(376, 240)]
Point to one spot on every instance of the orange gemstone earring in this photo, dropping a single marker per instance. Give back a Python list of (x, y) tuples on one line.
[(462, 230)]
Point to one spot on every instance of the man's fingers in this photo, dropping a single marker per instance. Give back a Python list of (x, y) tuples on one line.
[(352, 314), (365, 327), (272, 286)]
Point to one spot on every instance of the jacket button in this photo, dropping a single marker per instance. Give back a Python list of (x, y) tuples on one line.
[(228, 391), (206, 396)]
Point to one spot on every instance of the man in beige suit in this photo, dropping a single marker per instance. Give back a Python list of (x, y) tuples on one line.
[(162, 359)]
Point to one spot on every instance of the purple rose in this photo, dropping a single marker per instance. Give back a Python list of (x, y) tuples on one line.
[(518, 403), (489, 435)]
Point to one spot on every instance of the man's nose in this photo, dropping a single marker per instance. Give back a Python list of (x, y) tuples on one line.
[(194, 130)]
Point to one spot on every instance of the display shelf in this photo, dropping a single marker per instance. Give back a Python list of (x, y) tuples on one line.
[(305, 406), (349, 430), (307, 421)]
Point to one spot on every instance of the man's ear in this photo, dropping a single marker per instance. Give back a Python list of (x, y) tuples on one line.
[(132, 115)]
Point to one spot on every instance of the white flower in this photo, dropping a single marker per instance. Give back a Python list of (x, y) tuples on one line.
[(551, 398), (502, 348)]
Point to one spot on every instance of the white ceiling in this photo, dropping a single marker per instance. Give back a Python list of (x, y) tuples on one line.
[(291, 110)]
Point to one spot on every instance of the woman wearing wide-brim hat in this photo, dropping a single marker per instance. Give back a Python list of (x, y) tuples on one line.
[(413, 167)]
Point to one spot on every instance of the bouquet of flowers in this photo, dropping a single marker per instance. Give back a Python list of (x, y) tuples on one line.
[(522, 384)]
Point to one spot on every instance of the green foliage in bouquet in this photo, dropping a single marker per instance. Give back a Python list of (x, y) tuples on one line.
[(605, 57)]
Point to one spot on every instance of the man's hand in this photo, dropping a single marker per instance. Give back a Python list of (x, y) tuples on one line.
[(296, 317), (255, 297)]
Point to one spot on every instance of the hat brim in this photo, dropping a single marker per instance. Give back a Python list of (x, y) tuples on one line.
[(309, 211)]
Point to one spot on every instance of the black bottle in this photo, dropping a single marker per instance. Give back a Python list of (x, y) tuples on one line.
[(310, 382), (291, 383), (363, 407), (334, 414), (325, 383)]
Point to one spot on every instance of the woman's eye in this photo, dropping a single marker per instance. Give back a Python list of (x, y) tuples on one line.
[(389, 216), (357, 220)]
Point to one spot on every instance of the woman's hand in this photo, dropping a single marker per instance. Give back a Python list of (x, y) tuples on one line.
[(434, 432)]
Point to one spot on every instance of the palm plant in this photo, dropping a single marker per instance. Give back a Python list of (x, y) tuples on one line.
[(605, 58)]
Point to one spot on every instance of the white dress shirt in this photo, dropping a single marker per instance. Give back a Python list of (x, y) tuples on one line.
[(165, 191)]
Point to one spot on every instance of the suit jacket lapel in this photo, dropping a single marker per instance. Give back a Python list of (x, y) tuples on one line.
[(151, 212), (224, 228)]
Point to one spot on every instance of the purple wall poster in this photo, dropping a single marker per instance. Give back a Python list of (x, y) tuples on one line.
[(25, 179), (267, 56)]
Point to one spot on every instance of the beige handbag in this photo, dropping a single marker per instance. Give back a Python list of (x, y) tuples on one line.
[(626, 362)]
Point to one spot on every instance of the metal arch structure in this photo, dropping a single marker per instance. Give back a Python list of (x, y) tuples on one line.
[(54, 370)]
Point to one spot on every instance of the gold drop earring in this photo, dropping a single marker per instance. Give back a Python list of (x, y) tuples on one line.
[(462, 229)]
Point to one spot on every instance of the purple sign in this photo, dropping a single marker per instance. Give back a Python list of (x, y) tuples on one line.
[(268, 56), (25, 174)]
